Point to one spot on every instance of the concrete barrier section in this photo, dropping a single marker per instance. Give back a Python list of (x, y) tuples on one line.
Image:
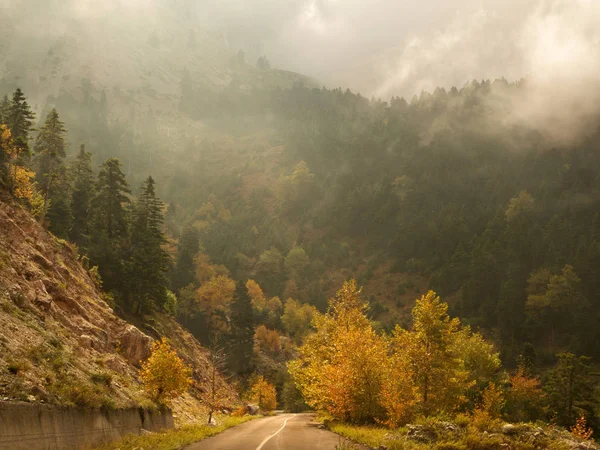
[(34, 426)]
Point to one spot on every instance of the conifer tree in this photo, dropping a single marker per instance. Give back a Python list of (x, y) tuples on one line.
[(83, 189), (109, 232), (569, 388), (52, 176), (20, 120), (187, 249), (242, 331), (149, 262), (4, 110)]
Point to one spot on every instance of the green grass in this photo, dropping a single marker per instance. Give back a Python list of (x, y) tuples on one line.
[(177, 438), (370, 436)]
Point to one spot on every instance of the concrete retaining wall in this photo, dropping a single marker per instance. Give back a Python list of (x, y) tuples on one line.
[(33, 426)]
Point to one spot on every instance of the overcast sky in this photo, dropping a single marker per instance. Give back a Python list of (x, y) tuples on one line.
[(378, 47), (387, 47)]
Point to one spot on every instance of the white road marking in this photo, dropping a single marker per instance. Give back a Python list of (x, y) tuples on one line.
[(265, 440)]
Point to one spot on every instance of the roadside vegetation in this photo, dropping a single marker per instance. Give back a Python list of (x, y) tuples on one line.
[(462, 434), (436, 384)]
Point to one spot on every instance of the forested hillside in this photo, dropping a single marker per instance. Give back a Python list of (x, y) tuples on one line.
[(240, 202)]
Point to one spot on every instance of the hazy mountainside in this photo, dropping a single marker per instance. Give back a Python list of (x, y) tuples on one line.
[(118, 79), (60, 341), (485, 193)]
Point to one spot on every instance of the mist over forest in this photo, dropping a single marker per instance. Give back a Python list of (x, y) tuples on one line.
[(267, 152)]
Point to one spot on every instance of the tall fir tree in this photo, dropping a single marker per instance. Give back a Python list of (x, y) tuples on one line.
[(149, 263), (188, 247), (242, 331), (81, 197), (20, 120), (52, 175), (4, 110), (109, 233)]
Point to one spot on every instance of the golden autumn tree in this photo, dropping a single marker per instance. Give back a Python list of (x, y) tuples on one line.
[(164, 375), (399, 395), (19, 178), (266, 340), (340, 368), (214, 298), (445, 362), (264, 394), (256, 294)]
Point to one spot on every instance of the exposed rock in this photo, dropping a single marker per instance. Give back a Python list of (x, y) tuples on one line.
[(40, 393), (115, 363), (39, 259), (17, 296), (420, 433), (252, 409), (42, 299), (510, 428), (89, 342), (448, 427), (135, 345)]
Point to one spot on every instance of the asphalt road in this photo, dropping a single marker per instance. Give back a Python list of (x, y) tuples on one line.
[(283, 432)]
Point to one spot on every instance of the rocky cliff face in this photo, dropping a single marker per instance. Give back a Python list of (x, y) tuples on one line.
[(61, 343)]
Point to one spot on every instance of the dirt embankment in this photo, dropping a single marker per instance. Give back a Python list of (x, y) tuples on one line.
[(61, 343)]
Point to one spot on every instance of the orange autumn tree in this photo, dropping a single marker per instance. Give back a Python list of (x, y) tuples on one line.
[(264, 394), (164, 375), (266, 340), (341, 367), (524, 398)]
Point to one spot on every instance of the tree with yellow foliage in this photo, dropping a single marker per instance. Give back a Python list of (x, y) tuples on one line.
[(267, 341), (350, 371), (340, 368), (264, 394), (437, 372), (214, 298), (399, 394), (17, 177), (164, 375)]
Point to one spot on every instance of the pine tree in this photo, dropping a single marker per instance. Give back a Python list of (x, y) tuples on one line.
[(81, 197), (109, 232), (149, 262), (187, 249), (4, 110), (20, 120), (242, 331), (52, 176), (569, 388)]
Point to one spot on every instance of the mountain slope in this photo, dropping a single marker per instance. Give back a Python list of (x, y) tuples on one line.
[(61, 343)]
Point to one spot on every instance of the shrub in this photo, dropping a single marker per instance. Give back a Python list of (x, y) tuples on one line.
[(240, 412), (104, 378), (581, 430), (96, 278)]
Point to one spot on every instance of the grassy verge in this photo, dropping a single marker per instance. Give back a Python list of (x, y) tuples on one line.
[(176, 438), (440, 435), (370, 436)]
